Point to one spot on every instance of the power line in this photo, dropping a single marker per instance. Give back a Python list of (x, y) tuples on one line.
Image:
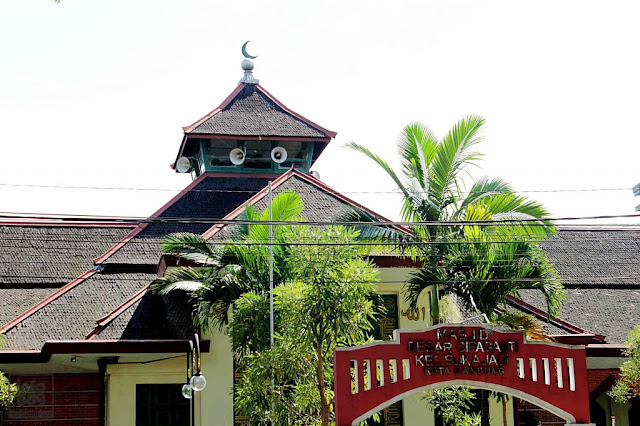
[(394, 192), (116, 277), (221, 221)]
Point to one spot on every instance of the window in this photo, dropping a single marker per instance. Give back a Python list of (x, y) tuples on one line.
[(161, 405)]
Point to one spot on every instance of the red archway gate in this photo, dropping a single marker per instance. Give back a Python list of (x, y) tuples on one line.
[(370, 377)]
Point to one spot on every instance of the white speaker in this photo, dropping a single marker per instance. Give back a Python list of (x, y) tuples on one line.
[(237, 156), (183, 165), (279, 154)]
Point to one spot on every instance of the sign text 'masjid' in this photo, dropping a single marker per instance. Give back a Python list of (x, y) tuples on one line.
[(463, 351)]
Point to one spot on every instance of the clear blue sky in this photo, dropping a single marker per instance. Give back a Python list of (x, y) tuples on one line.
[(94, 93)]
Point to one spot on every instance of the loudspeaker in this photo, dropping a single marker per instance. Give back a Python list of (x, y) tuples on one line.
[(183, 165), (279, 154), (237, 156)]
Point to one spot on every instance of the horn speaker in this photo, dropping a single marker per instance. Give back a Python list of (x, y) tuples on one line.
[(183, 165), (237, 156), (279, 154)]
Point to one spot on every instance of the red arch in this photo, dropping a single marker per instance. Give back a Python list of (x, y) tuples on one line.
[(446, 355)]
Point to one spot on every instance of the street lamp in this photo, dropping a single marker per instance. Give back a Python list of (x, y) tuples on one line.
[(198, 382), (195, 380)]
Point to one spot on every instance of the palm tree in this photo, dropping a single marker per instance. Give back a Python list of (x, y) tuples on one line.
[(433, 191), (225, 272), (470, 255)]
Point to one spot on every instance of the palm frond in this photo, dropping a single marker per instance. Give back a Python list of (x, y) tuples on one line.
[(189, 246), (177, 279), (417, 147), (483, 188), (162, 288), (454, 154)]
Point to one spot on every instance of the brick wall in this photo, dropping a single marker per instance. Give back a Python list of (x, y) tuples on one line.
[(56, 400), (542, 416), (545, 418), (595, 377)]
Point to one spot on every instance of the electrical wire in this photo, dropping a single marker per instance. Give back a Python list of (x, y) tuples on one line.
[(238, 191), (221, 221), (534, 280)]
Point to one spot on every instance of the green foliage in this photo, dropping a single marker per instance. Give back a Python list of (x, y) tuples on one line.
[(324, 296), (433, 188), (8, 390), (628, 385), (454, 404), (227, 272), (484, 273), (470, 256), (330, 299)]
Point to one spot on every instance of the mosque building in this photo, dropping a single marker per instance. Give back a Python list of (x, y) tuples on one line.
[(96, 347)]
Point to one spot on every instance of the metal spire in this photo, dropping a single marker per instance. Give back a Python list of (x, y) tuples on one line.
[(247, 66)]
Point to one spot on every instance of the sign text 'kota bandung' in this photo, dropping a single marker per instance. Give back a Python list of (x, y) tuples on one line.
[(457, 351)]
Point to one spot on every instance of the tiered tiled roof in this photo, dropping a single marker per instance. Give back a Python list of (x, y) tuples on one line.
[(114, 303)]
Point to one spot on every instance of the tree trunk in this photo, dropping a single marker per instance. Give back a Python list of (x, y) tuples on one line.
[(325, 404), (484, 408), (504, 410)]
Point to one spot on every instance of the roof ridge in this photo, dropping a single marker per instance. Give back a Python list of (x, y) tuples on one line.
[(327, 132), (573, 228), (252, 200), (223, 105), (54, 223), (233, 96)]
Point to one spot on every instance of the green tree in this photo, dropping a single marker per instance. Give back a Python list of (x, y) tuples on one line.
[(324, 297), (628, 385), (329, 300), (455, 405), (8, 390), (481, 245), (434, 191)]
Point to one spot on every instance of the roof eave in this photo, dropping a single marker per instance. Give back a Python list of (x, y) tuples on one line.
[(115, 347)]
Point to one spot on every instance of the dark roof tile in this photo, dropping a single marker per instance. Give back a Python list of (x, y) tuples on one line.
[(73, 314), (14, 301), (252, 113), (610, 312), (51, 255), (596, 257), (213, 198), (153, 317)]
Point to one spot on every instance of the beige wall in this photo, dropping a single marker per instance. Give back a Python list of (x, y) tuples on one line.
[(121, 386)]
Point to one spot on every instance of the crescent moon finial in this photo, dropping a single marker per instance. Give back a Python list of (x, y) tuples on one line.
[(244, 51)]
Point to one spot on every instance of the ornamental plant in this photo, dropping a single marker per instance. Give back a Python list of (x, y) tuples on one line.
[(628, 385)]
